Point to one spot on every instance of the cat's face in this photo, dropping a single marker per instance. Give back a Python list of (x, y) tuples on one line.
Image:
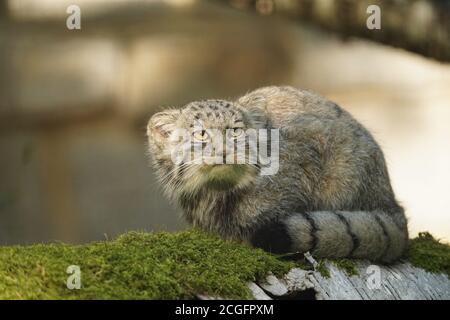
[(197, 146)]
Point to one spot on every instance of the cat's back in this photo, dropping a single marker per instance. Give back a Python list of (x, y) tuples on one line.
[(287, 105)]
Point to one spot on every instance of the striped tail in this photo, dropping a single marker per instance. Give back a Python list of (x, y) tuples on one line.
[(374, 235)]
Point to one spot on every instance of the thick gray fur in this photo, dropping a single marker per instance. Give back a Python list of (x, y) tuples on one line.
[(332, 194)]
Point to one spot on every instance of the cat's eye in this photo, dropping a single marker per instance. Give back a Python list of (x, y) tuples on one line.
[(200, 135), (236, 132)]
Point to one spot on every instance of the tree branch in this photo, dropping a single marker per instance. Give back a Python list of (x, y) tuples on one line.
[(420, 26)]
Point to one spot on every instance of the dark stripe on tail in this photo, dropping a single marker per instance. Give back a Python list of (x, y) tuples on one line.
[(385, 234), (314, 237), (355, 239)]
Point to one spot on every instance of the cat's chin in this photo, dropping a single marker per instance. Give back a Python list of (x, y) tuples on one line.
[(224, 177)]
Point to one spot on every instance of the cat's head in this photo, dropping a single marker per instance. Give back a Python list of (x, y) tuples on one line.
[(205, 145)]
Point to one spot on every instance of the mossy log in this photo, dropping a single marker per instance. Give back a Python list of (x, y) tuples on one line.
[(192, 264)]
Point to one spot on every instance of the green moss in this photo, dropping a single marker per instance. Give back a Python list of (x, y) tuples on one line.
[(136, 266), (430, 254), (347, 265), (323, 269)]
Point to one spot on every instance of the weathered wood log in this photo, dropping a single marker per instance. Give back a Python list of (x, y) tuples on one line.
[(372, 282), (363, 281), (420, 26)]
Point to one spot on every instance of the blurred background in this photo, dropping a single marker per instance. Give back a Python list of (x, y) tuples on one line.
[(74, 103)]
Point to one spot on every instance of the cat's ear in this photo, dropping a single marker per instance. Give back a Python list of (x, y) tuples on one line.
[(254, 107), (258, 117), (161, 124)]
